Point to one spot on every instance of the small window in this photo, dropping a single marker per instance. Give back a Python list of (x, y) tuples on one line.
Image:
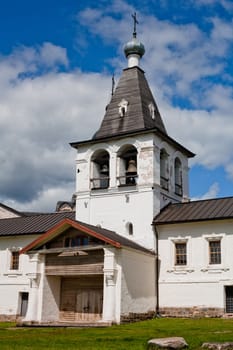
[(14, 261), (215, 252), (129, 228), (76, 241), (180, 253)]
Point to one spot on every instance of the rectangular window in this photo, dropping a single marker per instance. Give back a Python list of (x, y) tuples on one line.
[(14, 261), (180, 253), (215, 252)]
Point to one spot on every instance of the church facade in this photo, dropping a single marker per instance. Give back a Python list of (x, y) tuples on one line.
[(135, 246)]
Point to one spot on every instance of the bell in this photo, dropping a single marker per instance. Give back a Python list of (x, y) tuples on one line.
[(132, 168), (104, 169)]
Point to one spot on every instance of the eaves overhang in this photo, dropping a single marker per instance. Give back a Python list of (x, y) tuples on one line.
[(60, 228), (167, 138)]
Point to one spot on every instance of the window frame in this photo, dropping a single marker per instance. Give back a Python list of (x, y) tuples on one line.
[(215, 252), (14, 260), (180, 257)]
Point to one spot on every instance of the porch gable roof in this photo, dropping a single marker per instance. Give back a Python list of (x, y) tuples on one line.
[(107, 236)]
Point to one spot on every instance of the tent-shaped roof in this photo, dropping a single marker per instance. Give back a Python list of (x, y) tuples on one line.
[(134, 89)]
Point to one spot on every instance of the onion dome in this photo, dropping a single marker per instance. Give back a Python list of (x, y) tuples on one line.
[(134, 47)]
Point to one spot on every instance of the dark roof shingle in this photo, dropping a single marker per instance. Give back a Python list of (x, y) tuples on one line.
[(134, 88)]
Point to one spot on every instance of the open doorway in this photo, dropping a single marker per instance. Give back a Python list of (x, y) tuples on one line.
[(229, 299), (23, 303)]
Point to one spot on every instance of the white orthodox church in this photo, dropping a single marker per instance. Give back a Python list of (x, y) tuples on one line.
[(135, 246)]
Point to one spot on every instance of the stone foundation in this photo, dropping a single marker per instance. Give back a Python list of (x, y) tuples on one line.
[(192, 312), (134, 317), (8, 318)]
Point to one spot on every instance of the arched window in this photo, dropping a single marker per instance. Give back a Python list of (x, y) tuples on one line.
[(164, 174), (129, 228), (100, 170), (127, 166), (178, 177)]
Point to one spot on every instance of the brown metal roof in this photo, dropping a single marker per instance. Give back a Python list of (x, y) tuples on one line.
[(133, 88), (33, 224), (203, 210)]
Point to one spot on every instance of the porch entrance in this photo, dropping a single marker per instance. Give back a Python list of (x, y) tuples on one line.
[(229, 299), (81, 299)]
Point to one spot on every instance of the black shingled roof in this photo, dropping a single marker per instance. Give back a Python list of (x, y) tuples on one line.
[(202, 210)]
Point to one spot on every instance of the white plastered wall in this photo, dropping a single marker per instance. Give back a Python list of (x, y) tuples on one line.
[(138, 282), (13, 282), (198, 284)]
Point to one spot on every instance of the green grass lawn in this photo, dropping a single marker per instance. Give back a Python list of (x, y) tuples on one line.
[(132, 336)]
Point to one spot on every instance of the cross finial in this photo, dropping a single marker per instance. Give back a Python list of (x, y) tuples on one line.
[(113, 83), (135, 22)]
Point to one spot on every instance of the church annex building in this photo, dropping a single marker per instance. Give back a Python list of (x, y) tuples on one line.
[(132, 245)]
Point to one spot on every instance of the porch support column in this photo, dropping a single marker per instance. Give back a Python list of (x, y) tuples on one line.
[(32, 311), (34, 280), (110, 273)]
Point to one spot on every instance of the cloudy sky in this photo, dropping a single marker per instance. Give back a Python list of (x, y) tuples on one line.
[(57, 58)]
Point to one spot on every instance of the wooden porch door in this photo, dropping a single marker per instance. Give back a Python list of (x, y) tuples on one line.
[(89, 304), (79, 302)]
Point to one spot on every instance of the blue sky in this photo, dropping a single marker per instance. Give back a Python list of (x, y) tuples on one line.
[(56, 63)]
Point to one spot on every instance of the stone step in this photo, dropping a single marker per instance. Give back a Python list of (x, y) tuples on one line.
[(64, 324)]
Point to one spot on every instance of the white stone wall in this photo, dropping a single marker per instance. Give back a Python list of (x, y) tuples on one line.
[(198, 284), (138, 293), (13, 282)]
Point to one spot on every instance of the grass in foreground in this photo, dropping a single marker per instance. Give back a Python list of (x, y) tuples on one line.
[(124, 337)]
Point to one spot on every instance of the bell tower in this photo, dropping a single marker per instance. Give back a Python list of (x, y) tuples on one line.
[(131, 168)]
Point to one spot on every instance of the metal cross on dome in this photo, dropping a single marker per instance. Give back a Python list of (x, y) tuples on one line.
[(135, 24)]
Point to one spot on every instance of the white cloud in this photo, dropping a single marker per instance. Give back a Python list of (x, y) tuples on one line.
[(39, 116)]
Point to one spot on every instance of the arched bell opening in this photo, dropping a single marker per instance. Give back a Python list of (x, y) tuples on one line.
[(178, 177), (100, 170), (127, 170), (164, 172)]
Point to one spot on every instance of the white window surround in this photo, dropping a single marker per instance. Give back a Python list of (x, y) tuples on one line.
[(214, 268), (180, 269), (10, 272), (123, 105)]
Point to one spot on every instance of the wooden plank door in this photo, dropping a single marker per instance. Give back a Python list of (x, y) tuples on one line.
[(89, 305), (67, 312)]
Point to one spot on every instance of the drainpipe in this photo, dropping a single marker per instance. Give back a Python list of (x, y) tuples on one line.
[(157, 313)]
